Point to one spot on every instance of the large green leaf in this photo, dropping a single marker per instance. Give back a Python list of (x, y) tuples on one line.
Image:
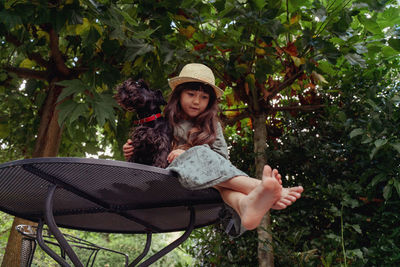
[(370, 24), (356, 132), (10, 18), (71, 87), (395, 44), (65, 110)]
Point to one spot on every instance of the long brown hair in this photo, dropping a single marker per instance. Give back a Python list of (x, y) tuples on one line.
[(204, 125)]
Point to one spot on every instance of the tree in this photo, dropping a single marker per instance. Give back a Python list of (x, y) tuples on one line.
[(60, 61), (273, 56)]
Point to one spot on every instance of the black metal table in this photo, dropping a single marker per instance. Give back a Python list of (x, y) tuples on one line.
[(104, 196)]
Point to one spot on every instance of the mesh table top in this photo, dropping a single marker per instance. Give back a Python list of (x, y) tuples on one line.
[(104, 195)]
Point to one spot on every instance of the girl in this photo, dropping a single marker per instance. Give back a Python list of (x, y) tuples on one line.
[(200, 154)]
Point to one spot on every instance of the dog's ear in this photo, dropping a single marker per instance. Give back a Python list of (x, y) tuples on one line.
[(160, 99), (143, 84), (123, 94)]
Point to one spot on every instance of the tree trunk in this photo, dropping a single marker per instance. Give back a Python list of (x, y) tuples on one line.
[(47, 144), (265, 252)]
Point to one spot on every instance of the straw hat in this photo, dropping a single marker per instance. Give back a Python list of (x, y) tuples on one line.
[(195, 72)]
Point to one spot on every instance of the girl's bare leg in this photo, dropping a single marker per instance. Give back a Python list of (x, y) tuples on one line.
[(252, 207), (246, 184)]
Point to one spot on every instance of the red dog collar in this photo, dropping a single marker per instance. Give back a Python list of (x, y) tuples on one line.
[(151, 118)]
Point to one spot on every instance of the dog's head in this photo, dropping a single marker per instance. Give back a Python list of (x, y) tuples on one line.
[(136, 95)]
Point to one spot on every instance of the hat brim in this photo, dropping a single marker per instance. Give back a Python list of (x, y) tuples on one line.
[(174, 82)]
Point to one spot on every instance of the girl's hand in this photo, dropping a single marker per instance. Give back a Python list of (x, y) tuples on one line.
[(128, 149), (174, 154)]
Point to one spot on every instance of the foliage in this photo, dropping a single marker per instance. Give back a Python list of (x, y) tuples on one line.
[(349, 211), (82, 49), (132, 245), (346, 155), (77, 51), (349, 173)]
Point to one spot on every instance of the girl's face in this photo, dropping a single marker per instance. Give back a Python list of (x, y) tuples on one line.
[(193, 102)]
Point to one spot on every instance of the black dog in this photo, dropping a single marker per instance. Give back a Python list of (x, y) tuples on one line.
[(152, 137)]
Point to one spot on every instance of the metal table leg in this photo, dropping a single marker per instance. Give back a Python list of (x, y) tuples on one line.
[(174, 244), (49, 251), (145, 251), (54, 228)]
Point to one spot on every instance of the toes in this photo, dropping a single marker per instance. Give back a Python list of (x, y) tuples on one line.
[(299, 189), (287, 202), (291, 198), (267, 172), (277, 176), (279, 205)]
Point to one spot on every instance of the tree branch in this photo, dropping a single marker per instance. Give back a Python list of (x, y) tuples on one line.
[(56, 53), (297, 108), (32, 56), (28, 73), (247, 114), (285, 84), (239, 117)]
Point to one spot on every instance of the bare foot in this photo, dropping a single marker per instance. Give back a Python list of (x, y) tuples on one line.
[(254, 206), (277, 176), (288, 196)]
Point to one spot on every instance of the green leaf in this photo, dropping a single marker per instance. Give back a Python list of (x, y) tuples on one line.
[(146, 33), (380, 142), (367, 140), (387, 191), (79, 110), (349, 202), (91, 37), (356, 132), (389, 17), (373, 152), (389, 51), (259, 4), (396, 185), (326, 67), (372, 104), (137, 49), (333, 237), (357, 228), (370, 24), (356, 252), (4, 130), (3, 76), (71, 87), (103, 106), (356, 59), (395, 99), (378, 178), (396, 146), (264, 67), (128, 18), (65, 109), (10, 19), (394, 43)]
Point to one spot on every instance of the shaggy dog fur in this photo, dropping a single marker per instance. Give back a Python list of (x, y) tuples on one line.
[(151, 140)]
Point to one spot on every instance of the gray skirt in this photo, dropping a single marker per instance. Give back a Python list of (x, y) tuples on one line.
[(200, 167)]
